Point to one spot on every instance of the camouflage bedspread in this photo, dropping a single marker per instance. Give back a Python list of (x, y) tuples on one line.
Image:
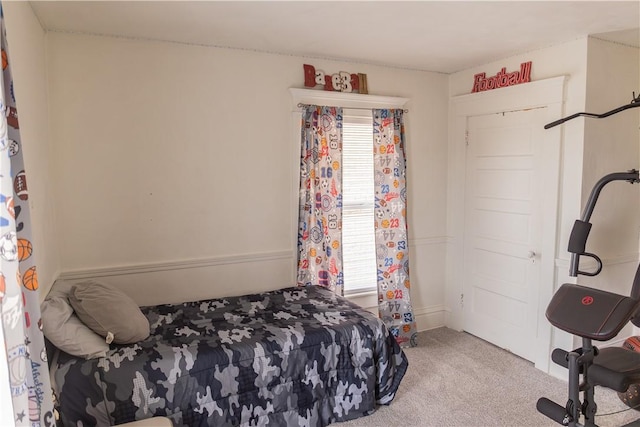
[(292, 357)]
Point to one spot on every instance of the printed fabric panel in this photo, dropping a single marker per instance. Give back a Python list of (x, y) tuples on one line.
[(320, 204), (300, 356), (20, 324), (392, 244)]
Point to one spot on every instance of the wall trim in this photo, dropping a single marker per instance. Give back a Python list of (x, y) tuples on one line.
[(430, 317), (142, 268), (176, 265), (426, 317), (590, 264), (427, 241), (345, 99)]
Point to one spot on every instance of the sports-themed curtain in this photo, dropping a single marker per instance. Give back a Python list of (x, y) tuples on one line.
[(31, 398), (320, 212), (392, 248), (320, 207)]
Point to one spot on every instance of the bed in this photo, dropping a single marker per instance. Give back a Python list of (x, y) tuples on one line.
[(294, 356)]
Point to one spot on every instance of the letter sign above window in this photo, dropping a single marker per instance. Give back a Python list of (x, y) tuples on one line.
[(339, 82)]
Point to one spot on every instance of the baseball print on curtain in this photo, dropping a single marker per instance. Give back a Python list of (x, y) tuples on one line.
[(31, 396), (392, 246), (320, 214)]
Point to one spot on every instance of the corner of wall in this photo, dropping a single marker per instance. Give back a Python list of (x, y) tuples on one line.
[(26, 38)]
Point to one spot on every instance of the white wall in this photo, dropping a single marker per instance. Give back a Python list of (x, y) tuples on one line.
[(601, 76), (26, 45), (175, 167), (611, 145), (137, 126), (26, 40), (568, 59)]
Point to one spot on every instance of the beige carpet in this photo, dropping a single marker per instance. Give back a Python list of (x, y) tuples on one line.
[(456, 379)]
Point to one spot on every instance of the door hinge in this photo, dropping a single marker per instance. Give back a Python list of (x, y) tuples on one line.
[(461, 300), (466, 137)]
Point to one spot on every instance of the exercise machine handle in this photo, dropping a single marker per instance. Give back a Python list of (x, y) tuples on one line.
[(582, 227), (575, 263), (635, 102), (630, 176)]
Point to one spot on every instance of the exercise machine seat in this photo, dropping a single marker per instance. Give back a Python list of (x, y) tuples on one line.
[(590, 313), (598, 315)]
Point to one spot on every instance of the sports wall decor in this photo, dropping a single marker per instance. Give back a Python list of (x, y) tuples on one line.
[(502, 79), (339, 82)]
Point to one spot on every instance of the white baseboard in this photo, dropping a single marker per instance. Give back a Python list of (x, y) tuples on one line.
[(429, 317), (426, 317)]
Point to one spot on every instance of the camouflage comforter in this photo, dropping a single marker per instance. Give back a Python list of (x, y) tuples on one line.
[(296, 356)]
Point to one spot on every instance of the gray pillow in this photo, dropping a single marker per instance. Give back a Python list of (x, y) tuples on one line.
[(63, 328), (109, 312)]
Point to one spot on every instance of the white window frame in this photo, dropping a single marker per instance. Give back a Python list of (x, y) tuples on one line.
[(366, 299), (352, 258)]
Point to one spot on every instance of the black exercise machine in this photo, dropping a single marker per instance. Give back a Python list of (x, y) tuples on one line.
[(592, 314)]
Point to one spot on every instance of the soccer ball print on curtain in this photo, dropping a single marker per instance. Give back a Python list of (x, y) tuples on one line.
[(320, 214), (392, 247), (31, 396)]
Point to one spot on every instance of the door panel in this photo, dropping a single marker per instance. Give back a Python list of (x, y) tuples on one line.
[(502, 227)]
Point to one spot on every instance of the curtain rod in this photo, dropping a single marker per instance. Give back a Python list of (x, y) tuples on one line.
[(404, 110)]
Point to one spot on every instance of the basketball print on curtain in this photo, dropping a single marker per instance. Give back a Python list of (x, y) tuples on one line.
[(26, 356), (320, 204), (392, 245)]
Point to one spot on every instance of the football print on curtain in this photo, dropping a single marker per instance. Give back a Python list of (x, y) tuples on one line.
[(320, 204), (26, 356), (392, 247)]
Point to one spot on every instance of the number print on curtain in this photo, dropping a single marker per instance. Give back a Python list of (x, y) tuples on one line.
[(392, 247), (320, 207), (26, 356)]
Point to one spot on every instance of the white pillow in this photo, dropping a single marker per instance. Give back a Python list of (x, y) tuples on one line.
[(65, 330)]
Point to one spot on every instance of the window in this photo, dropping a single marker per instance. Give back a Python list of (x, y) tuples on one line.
[(358, 233), (359, 261)]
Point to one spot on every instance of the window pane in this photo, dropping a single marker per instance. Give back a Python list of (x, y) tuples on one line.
[(358, 234)]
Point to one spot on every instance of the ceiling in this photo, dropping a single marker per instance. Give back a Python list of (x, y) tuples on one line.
[(440, 36)]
